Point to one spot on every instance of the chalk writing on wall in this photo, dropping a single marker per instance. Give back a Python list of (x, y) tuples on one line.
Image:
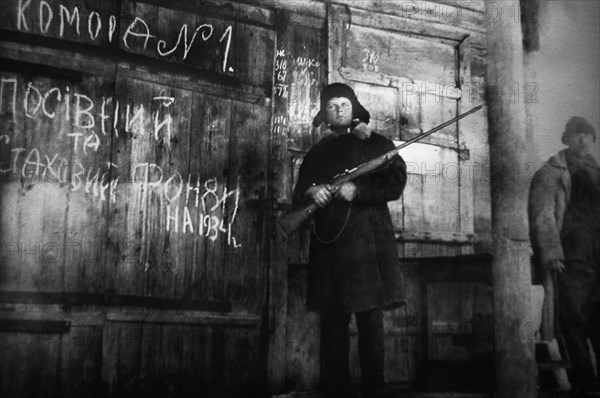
[(85, 125), (296, 95), (369, 61), (54, 19), (280, 94), (305, 79), (211, 201), (296, 81), (93, 118)]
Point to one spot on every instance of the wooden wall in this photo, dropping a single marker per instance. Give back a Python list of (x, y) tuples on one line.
[(146, 148), (414, 69), (135, 165)]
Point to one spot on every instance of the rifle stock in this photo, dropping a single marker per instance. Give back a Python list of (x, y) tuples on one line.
[(292, 221)]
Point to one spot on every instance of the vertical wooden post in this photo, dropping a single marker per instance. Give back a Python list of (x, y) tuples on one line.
[(278, 278), (337, 22), (515, 367)]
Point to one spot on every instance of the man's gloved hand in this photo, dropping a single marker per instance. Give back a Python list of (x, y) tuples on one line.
[(556, 265), (347, 192), (320, 194)]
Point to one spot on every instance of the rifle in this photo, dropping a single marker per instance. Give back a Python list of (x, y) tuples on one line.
[(291, 221)]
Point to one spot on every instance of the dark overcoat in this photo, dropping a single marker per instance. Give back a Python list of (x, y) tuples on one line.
[(353, 254)]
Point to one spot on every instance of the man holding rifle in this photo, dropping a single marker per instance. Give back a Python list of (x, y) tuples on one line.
[(353, 256)]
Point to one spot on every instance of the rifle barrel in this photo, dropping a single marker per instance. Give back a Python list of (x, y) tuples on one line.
[(291, 221), (438, 128)]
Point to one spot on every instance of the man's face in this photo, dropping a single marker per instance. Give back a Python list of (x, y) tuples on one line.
[(339, 112), (580, 143)]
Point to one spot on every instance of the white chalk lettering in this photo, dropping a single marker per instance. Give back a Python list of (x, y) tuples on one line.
[(92, 141), (188, 188), (103, 187), (116, 119), (230, 238), (174, 218), (56, 90), (146, 33), (228, 33), (183, 33), (63, 169), (54, 172), (92, 182), (67, 103), (94, 34), (49, 14), (26, 100), (21, 21), (113, 190), (75, 142), (15, 153), (214, 218), (210, 186), (166, 101), (79, 111), (30, 162), (112, 25), (73, 16), (155, 175), (214, 228), (70, 17), (167, 121), (76, 180), (187, 220), (103, 115), (178, 189), (281, 90), (138, 117)]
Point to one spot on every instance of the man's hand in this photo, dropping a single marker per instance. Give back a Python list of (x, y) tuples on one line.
[(556, 265), (347, 192), (320, 194)]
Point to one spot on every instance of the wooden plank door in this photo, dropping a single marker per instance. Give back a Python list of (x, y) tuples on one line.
[(135, 163), (410, 83)]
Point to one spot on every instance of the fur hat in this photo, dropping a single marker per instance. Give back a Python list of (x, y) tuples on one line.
[(335, 90), (577, 125)]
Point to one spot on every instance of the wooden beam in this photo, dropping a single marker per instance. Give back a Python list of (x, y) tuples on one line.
[(337, 17), (275, 330), (515, 366), (113, 300), (381, 79), (222, 9), (442, 32), (34, 326), (434, 236), (98, 316), (426, 13)]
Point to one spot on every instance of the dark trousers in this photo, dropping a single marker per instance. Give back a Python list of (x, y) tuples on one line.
[(579, 310), (335, 346)]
